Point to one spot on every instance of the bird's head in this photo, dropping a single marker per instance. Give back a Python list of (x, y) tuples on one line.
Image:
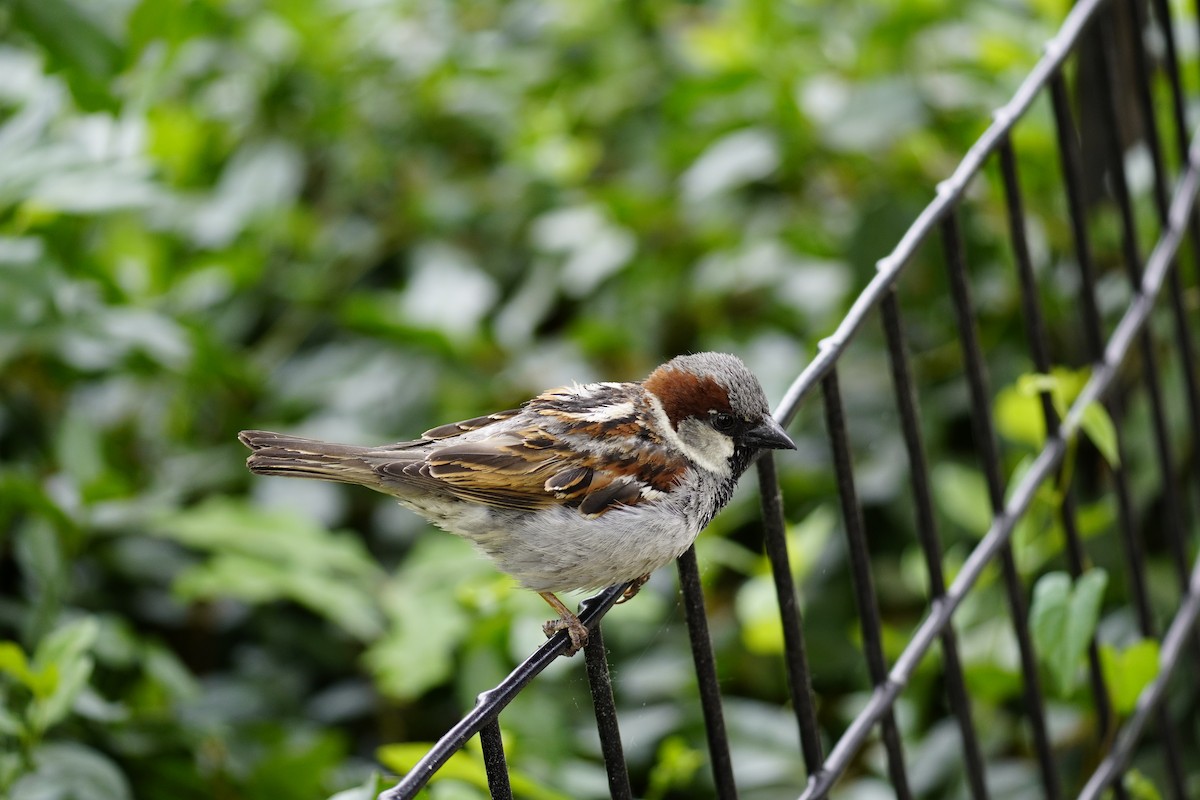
[(717, 411)]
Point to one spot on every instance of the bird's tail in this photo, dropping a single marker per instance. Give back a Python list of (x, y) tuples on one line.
[(293, 457)]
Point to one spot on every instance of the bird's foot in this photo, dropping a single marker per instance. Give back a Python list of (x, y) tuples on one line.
[(567, 621), (574, 628), (633, 588)]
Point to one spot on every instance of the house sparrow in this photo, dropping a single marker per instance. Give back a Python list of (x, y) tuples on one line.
[(582, 487)]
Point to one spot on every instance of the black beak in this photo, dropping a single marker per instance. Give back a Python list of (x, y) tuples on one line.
[(768, 435)]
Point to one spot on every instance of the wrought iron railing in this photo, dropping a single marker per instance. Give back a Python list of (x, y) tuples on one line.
[(1154, 279)]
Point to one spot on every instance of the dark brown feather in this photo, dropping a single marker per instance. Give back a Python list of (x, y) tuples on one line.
[(537, 466)]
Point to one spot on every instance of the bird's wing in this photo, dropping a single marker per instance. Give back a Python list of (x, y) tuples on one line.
[(522, 466)]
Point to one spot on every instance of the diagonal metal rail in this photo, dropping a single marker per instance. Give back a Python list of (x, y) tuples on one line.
[(1043, 469)]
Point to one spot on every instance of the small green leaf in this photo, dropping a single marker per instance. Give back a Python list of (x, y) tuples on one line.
[(1098, 426), (675, 768), (1062, 619), (962, 495), (1062, 384), (1034, 384), (1128, 672), (69, 770), (1048, 617), (1019, 417), (1085, 606), (10, 725), (76, 44), (73, 677), (369, 789), (13, 662), (67, 643), (62, 657), (1141, 787)]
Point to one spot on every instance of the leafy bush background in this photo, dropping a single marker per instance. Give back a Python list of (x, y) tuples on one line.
[(356, 220)]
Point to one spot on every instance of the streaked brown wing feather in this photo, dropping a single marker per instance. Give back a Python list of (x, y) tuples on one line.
[(473, 424), (532, 469)]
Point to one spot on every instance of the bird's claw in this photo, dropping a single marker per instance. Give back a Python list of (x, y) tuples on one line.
[(633, 588), (575, 629)]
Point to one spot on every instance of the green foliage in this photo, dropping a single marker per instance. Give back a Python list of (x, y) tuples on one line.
[(757, 605), (1140, 787), (370, 789), (1128, 671), (259, 556), (1019, 414), (1062, 620), (39, 694), (430, 617), (962, 495), (677, 765), (464, 767)]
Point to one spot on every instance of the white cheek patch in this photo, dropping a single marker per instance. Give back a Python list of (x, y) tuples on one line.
[(697, 441)]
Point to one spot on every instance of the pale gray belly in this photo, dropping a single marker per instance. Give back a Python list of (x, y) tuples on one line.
[(560, 550)]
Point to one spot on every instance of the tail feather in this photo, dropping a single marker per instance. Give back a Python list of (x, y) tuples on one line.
[(294, 457)]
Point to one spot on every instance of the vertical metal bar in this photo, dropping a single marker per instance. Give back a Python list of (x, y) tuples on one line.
[(493, 761), (1068, 149), (490, 703), (1071, 163), (706, 674), (795, 651), (1133, 269), (1035, 332), (600, 683), (1171, 57), (906, 401), (1183, 334), (985, 442), (1116, 159), (860, 566), (1175, 534)]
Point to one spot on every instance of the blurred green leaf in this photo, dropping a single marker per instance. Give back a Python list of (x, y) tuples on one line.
[(65, 651), (70, 770), (1019, 417), (13, 661), (1139, 786), (757, 604), (676, 765), (261, 556), (1063, 385), (369, 789), (962, 495), (1062, 619), (10, 725), (427, 619), (1098, 426), (1129, 671), (758, 613), (79, 45)]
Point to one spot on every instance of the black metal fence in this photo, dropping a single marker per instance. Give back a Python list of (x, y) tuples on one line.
[(1088, 43)]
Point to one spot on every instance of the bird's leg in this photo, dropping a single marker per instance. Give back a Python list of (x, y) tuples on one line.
[(566, 621), (633, 588)]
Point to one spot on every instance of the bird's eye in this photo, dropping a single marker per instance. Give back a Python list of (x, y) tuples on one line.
[(725, 423)]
